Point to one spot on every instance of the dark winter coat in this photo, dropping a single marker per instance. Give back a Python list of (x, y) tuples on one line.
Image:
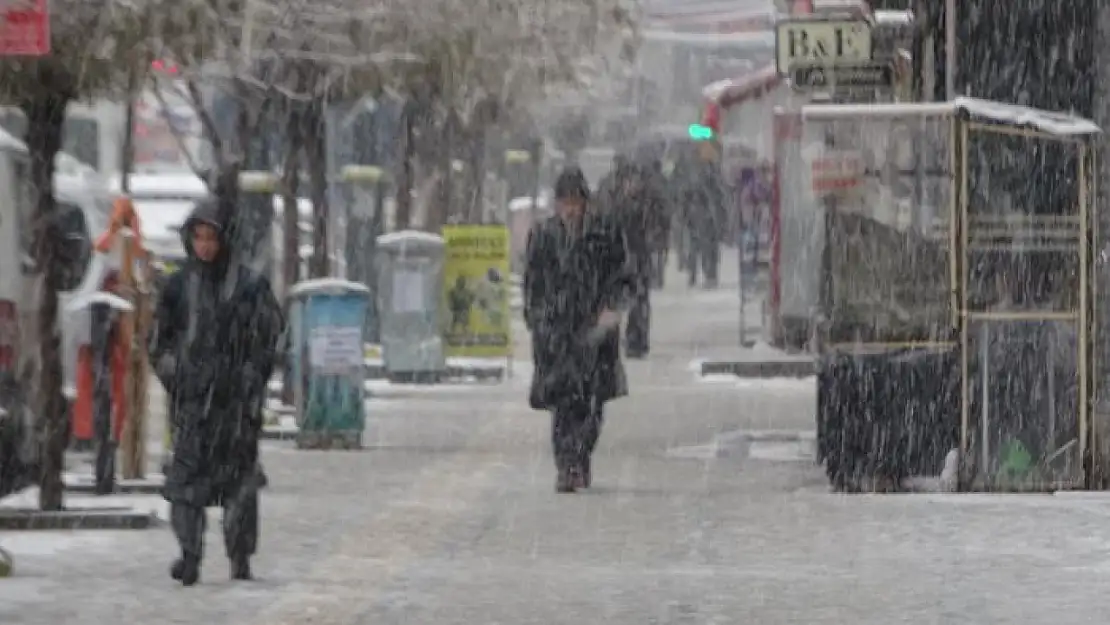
[(214, 347), (568, 282), (659, 210), (633, 203), (701, 198)]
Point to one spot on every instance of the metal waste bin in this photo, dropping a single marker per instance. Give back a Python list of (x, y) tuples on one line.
[(410, 265), (327, 324)]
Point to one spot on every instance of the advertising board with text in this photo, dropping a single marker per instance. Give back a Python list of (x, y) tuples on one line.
[(476, 291)]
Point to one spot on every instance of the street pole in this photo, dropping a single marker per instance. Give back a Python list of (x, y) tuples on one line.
[(102, 318), (248, 30), (949, 49)]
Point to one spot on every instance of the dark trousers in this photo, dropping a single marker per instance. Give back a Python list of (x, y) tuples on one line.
[(681, 242), (240, 524), (638, 333), (658, 267), (707, 252), (575, 428)]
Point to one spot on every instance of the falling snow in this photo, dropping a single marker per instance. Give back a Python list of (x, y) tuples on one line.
[(731, 336)]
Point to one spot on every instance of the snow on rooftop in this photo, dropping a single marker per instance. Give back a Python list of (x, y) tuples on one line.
[(1050, 122), (177, 185), (159, 217), (85, 300), (304, 206), (410, 236), (64, 163), (327, 285), (730, 91), (894, 18), (757, 40), (524, 203)]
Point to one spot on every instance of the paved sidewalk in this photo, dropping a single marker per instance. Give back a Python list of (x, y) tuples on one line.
[(450, 519)]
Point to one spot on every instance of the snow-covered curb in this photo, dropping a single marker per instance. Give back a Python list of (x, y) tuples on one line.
[(28, 499)]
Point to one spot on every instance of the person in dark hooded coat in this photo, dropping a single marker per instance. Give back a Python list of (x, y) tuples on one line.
[(213, 349), (659, 221), (575, 284), (701, 198), (633, 204)]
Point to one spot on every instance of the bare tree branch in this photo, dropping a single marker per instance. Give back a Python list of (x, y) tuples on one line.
[(211, 132), (178, 138)]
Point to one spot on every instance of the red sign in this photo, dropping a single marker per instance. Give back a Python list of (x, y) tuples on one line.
[(787, 126), (711, 117), (24, 28), (836, 171)]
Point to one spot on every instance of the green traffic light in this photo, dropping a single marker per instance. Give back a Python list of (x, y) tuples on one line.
[(699, 132)]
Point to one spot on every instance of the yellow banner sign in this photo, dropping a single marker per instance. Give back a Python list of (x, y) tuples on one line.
[(476, 291)]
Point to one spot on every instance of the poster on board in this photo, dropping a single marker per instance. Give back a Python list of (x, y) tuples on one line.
[(476, 291)]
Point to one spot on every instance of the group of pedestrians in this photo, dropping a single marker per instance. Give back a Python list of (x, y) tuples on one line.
[(699, 194), (634, 197), (218, 327)]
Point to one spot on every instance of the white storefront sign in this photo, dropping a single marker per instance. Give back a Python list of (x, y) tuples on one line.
[(809, 43)]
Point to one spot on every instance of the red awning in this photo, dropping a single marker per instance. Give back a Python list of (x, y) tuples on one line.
[(726, 93)]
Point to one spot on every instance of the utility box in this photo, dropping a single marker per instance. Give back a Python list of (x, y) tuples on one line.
[(410, 278)]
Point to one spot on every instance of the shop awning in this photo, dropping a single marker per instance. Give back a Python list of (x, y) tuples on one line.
[(726, 93)]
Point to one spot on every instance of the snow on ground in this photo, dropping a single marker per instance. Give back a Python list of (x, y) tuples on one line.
[(718, 378), (787, 385), (767, 445), (147, 504), (51, 543), (385, 388), (459, 362), (86, 478)]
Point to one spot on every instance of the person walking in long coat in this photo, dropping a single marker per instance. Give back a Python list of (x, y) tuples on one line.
[(575, 283), (702, 198), (633, 205), (214, 345), (659, 222)]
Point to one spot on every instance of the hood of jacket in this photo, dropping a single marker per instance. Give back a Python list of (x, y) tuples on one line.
[(207, 211)]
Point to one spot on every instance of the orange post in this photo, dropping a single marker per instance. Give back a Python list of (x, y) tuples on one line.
[(83, 404), (129, 370)]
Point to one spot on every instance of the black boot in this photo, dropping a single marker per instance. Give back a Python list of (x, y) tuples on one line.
[(583, 475), (241, 568), (565, 481), (186, 570)]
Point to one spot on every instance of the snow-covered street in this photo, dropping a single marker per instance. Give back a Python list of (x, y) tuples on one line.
[(449, 517)]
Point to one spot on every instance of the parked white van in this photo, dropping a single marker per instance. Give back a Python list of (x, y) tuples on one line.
[(163, 201), (83, 210)]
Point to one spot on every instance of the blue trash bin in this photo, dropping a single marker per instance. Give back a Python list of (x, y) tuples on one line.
[(327, 319)]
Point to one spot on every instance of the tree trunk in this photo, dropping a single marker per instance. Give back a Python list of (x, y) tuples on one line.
[(440, 205), (475, 193), (316, 157), (291, 230), (403, 218), (45, 113)]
